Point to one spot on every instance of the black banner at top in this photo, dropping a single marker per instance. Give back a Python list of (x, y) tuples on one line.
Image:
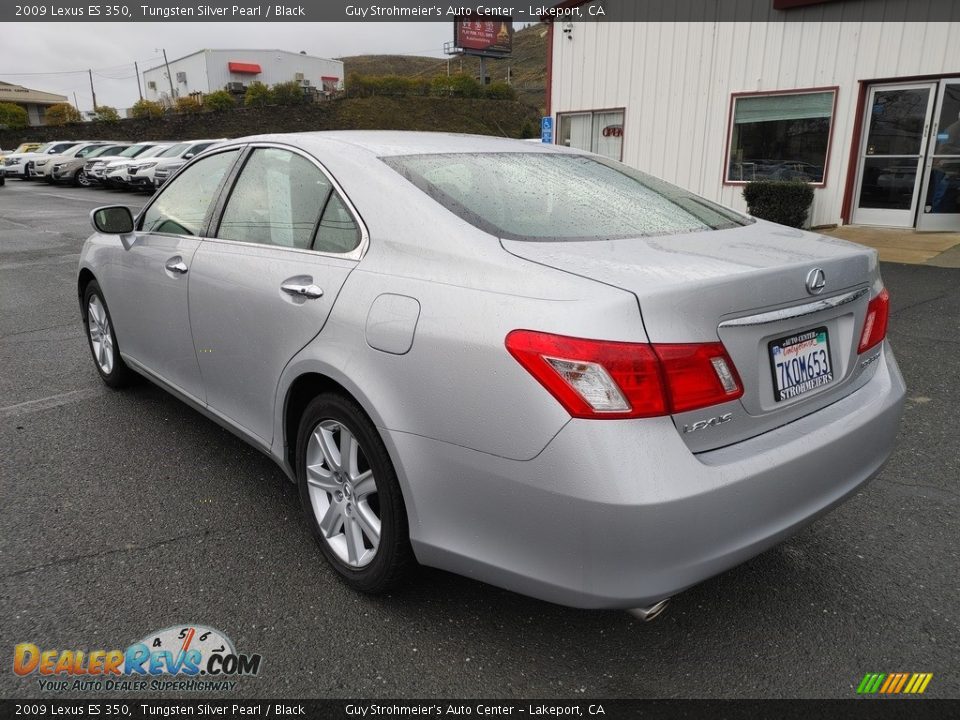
[(458, 708), (521, 12)]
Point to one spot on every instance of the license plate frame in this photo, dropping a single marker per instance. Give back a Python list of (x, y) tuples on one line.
[(810, 350)]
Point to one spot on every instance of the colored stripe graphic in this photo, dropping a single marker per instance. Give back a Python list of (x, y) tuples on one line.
[(894, 683)]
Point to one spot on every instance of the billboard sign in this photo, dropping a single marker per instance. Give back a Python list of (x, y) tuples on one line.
[(484, 37)]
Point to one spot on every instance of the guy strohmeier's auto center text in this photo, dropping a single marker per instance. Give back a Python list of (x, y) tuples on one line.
[(238, 11)]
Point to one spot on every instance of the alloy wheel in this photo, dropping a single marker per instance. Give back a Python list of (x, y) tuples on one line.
[(343, 493), (101, 335)]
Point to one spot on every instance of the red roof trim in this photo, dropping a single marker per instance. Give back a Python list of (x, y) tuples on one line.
[(244, 67)]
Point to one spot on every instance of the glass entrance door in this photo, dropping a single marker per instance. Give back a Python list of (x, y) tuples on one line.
[(940, 208), (891, 155)]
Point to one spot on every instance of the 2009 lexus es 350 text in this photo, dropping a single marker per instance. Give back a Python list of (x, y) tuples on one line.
[(526, 364)]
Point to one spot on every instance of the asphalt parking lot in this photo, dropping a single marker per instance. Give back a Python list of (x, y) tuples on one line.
[(127, 512)]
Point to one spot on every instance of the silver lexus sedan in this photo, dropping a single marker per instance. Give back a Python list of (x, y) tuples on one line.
[(523, 363)]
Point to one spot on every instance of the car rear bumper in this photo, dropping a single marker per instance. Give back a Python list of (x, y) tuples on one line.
[(620, 514)]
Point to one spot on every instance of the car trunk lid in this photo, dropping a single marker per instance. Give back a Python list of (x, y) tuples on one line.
[(747, 287)]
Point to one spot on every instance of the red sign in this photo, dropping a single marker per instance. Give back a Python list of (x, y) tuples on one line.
[(494, 37), (244, 68), (613, 131)]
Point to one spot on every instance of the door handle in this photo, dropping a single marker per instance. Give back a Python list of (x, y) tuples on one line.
[(176, 265), (311, 291)]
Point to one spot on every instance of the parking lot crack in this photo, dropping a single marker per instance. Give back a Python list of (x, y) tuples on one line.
[(106, 553)]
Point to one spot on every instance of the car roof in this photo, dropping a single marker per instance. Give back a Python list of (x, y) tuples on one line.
[(399, 142)]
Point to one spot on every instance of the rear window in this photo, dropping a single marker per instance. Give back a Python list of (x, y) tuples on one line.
[(550, 197)]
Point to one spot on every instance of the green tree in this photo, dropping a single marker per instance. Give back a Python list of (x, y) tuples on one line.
[(500, 91), (456, 86), (13, 116), (105, 113), (288, 93), (147, 110), (62, 114), (188, 105), (219, 100), (258, 95)]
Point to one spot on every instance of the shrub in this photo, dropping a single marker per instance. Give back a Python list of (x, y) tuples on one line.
[(288, 93), (455, 86), (786, 203), (62, 114), (147, 110), (13, 116), (105, 113), (257, 95), (187, 105), (219, 100), (500, 91)]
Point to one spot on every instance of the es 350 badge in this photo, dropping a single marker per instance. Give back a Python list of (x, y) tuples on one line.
[(180, 657)]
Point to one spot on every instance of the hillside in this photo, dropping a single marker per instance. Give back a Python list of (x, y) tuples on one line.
[(527, 65)]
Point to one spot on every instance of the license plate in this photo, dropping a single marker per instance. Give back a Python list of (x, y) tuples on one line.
[(800, 363)]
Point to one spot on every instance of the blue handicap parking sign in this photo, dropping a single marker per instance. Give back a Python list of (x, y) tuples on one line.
[(546, 130)]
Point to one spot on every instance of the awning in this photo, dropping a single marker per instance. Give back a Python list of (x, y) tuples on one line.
[(244, 67)]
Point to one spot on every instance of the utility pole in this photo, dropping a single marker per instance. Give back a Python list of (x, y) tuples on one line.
[(136, 69), (75, 103), (173, 92), (92, 91)]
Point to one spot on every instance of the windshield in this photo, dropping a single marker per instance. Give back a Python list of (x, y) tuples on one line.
[(134, 150), (59, 148), (153, 152), (43, 148), (546, 196), (175, 150), (107, 150), (88, 151)]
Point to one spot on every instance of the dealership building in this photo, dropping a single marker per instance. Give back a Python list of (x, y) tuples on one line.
[(35, 102), (866, 110), (206, 71)]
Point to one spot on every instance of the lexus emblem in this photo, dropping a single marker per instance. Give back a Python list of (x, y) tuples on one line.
[(816, 281)]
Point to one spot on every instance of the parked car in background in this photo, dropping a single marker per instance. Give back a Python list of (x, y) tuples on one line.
[(21, 164), (71, 169), (116, 172), (21, 148), (142, 172), (524, 363), (3, 177), (43, 167), (93, 169)]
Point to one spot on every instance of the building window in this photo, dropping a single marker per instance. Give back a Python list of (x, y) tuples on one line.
[(780, 136), (598, 131)]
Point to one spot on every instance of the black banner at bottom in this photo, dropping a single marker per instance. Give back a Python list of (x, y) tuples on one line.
[(854, 709)]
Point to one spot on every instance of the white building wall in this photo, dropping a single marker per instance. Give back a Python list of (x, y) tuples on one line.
[(208, 70), (675, 80), (195, 68), (278, 66)]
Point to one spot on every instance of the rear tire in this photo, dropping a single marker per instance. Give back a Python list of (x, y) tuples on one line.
[(353, 505), (102, 339)]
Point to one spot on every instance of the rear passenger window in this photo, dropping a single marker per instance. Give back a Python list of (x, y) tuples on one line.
[(337, 232)]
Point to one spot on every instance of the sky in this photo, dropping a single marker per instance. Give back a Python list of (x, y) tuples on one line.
[(54, 57)]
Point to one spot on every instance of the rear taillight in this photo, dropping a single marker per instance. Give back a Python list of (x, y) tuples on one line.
[(875, 326), (602, 379)]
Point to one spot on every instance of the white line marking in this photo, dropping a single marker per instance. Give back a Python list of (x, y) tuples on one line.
[(32, 406)]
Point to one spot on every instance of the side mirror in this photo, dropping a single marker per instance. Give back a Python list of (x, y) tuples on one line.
[(112, 220), (188, 155)]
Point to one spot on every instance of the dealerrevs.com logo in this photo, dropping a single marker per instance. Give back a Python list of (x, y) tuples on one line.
[(181, 658)]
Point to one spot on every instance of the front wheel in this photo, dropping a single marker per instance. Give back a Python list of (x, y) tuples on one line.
[(350, 495), (102, 339), (80, 178)]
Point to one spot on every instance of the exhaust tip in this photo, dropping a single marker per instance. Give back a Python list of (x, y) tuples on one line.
[(650, 613)]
